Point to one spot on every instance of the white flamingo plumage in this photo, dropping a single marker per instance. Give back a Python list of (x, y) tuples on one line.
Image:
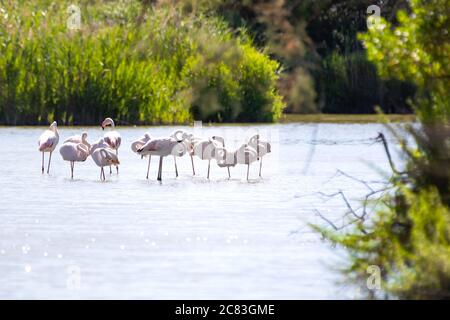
[(184, 138), (243, 155), (74, 152), (162, 147), (47, 143), (206, 150), (137, 144), (79, 139), (112, 138), (261, 147), (99, 144), (104, 157), (224, 159), (190, 142)]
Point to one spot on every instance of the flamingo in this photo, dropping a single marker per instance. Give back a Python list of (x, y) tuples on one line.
[(74, 152), (79, 139), (47, 143), (190, 142), (206, 150), (104, 157), (243, 155), (246, 155), (162, 147), (262, 148), (99, 144), (112, 138), (222, 158), (137, 144), (184, 139)]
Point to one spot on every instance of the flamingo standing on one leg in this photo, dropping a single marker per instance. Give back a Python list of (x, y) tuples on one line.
[(47, 143), (246, 155), (112, 138), (162, 147), (184, 138), (79, 139), (223, 157), (136, 145), (74, 152), (104, 157)]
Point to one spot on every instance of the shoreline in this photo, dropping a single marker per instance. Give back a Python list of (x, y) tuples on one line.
[(285, 119)]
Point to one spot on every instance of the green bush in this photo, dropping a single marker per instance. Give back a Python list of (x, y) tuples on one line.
[(408, 234), (410, 242), (134, 63), (349, 83)]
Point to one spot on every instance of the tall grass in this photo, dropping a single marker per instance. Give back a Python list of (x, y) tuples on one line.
[(349, 83), (139, 65)]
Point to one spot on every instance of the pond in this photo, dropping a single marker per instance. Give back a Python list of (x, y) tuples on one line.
[(187, 237)]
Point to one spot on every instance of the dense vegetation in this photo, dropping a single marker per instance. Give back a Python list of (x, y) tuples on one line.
[(409, 236), (325, 66), (131, 61)]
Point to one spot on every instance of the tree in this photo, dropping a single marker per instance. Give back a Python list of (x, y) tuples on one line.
[(409, 236)]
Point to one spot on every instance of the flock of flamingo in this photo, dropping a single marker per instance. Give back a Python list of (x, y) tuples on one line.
[(105, 152)]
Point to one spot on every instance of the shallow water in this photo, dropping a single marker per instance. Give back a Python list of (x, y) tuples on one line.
[(184, 238)]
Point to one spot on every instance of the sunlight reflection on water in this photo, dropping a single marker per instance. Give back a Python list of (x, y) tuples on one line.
[(187, 238)]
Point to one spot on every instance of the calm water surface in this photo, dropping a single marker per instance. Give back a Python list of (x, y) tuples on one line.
[(186, 238)]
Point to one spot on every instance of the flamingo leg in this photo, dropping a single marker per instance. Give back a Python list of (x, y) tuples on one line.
[(101, 175), (260, 166), (43, 162), (176, 168), (148, 168), (248, 169), (160, 169), (117, 154), (49, 160), (229, 175), (72, 164), (192, 161), (209, 165)]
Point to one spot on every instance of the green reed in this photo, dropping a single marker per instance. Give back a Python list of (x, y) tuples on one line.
[(138, 65)]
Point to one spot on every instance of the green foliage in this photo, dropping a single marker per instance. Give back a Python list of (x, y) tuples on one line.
[(412, 248), (316, 41), (409, 238), (130, 62), (232, 81), (418, 49), (349, 83)]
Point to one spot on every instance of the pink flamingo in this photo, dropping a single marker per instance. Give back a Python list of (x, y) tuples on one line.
[(112, 138), (136, 145), (47, 143), (74, 152), (104, 157), (162, 147), (261, 147), (79, 139)]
